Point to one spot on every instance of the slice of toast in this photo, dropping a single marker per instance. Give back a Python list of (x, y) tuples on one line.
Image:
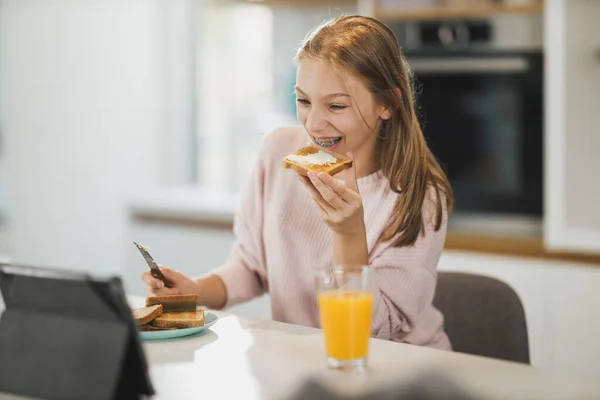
[(188, 319), (144, 315), (317, 159), (151, 328), (175, 303)]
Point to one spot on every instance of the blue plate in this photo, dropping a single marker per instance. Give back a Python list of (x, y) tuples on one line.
[(209, 319)]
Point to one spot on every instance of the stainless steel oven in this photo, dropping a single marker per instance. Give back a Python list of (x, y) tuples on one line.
[(481, 109)]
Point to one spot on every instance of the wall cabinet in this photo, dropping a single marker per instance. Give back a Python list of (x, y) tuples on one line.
[(572, 126)]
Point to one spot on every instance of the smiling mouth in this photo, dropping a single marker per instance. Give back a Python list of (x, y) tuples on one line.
[(327, 142)]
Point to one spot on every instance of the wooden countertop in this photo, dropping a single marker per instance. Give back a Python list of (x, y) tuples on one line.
[(512, 246), (457, 11), (400, 12)]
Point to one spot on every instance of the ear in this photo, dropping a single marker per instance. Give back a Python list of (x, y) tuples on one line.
[(385, 114)]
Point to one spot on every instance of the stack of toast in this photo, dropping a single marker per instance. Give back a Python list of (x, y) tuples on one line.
[(169, 312)]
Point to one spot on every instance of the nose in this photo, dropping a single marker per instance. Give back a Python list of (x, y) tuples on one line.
[(315, 121)]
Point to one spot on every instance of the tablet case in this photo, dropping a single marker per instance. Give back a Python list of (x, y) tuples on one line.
[(66, 335)]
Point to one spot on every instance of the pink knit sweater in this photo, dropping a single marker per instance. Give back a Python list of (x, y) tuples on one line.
[(281, 239)]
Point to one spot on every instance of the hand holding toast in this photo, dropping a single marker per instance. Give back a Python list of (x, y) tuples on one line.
[(340, 204), (181, 283)]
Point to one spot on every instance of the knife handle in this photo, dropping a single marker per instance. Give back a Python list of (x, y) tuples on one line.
[(158, 275)]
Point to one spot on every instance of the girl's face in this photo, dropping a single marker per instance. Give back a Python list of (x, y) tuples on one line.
[(338, 112)]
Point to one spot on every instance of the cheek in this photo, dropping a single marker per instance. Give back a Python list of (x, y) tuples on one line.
[(301, 114), (345, 124), (352, 125)]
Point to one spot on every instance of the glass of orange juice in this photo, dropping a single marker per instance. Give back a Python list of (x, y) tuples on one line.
[(345, 297)]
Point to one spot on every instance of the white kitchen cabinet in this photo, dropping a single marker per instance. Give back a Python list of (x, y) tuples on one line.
[(572, 126)]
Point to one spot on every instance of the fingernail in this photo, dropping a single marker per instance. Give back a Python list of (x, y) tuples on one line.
[(160, 284)]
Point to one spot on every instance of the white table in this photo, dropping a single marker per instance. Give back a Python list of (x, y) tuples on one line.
[(254, 359), (241, 358)]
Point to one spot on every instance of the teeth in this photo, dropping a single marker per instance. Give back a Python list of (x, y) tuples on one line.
[(327, 142)]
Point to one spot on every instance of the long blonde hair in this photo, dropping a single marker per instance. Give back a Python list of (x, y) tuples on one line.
[(368, 49)]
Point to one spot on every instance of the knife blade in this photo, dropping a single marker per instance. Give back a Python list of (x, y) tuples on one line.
[(154, 269)]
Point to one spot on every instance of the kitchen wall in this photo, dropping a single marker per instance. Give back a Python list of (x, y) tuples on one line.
[(3, 244), (95, 110), (292, 23), (87, 91)]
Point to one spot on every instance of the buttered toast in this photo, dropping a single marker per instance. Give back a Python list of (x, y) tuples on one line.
[(314, 158)]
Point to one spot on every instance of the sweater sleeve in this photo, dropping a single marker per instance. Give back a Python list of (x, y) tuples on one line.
[(244, 273), (406, 279)]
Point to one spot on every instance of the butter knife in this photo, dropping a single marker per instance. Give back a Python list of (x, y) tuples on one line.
[(154, 270)]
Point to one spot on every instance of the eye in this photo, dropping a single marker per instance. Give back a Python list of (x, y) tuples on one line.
[(303, 101), (337, 107)]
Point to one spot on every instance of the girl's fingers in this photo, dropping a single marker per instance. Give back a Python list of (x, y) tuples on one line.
[(350, 174), (163, 291), (331, 198), (347, 194), (151, 281), (323, 205)]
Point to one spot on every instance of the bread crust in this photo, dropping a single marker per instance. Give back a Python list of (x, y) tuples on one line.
[(341, 164), (175, 303), (144, 315), (150, 328)]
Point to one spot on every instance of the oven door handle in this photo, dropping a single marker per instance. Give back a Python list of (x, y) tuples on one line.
[(470, 65)]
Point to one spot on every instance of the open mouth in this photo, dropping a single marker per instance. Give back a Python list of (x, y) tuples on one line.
[(327, 142)]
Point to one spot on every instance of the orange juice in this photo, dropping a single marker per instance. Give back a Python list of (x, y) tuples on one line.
[(346, 323)]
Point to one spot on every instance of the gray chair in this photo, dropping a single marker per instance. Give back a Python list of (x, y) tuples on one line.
[(482, 316)]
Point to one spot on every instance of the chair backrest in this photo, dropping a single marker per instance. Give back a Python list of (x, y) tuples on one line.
[(482, 316)]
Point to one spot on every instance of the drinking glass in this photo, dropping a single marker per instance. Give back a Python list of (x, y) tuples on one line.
[(345, 296)]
